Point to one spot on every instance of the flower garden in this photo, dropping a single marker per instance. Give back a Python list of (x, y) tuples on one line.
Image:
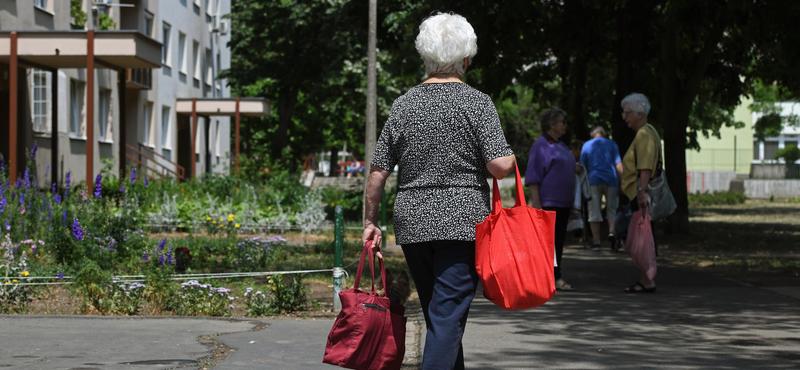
[(215, 246)]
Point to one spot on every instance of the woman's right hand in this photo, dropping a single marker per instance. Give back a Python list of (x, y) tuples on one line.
[(641, 198), (372, 232)]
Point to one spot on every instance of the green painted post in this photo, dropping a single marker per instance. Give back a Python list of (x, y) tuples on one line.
[(338, 271), (384, 225)]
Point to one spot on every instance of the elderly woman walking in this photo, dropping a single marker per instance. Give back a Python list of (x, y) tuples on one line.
[(551, 178), (639, 165), (447, 139)]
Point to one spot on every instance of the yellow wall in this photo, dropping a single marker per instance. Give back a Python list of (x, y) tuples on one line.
[(717, 154)]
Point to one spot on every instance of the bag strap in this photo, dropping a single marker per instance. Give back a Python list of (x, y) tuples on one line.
[(659, 164), (369, 250), (497, 202)]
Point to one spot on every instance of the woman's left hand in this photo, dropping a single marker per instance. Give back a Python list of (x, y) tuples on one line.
[(578, 168)]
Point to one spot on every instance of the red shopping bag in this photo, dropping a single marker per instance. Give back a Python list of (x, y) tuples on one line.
[(514, 250), (370, 331), (640, 244)]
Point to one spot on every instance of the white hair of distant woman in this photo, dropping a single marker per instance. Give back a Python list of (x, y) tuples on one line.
[(444, 41), (638, 103)]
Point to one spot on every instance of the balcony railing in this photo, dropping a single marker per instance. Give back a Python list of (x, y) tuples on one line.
[(139, 78)]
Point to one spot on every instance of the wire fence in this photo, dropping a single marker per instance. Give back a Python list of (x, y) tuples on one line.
[(727, 160)]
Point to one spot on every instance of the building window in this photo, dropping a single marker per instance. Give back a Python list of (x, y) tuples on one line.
[(165, 51), (148, 120), (209, 68), (218, 146), (182, 53), (165, 118), (770, 148), (105, 115), (43, 5), (148, 24), (40, 84), (197, 68), (76, 114)]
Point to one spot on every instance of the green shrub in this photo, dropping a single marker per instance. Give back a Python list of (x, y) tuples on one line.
[(125, 298), (790, 154), (92, 282), (716, 198), (198, 299), (286, 297)]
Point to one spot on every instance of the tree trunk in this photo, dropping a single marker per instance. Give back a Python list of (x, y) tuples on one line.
[(286, 104), (578, 102), (334, 160), (678, 95)]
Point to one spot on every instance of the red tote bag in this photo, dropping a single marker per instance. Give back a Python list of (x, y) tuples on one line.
[(370, 331), (640, 244), (514, 250)]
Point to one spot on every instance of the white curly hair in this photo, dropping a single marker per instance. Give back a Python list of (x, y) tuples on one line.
[(444, 41), (638, 103)]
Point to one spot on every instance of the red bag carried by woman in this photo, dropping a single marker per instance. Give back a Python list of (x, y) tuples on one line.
[(514, 253), (370, 331), (640, 244)]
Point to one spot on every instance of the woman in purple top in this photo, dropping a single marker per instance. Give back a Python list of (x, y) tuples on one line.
[(551, 178)]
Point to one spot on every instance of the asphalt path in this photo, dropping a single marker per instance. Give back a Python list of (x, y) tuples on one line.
[(693, 321)]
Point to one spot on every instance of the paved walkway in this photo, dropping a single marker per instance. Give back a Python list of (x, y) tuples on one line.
[(694, 321)]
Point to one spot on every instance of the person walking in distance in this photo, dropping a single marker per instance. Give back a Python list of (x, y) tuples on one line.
[(551, 177), (600, 156)]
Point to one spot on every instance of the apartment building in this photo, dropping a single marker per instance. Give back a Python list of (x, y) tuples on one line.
[(146, 57)]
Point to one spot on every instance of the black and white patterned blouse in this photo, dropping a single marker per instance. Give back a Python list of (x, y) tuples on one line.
[(441, 135)]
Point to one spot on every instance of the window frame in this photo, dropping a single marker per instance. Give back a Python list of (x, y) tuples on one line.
[(41, 122), (182, 65), (149, 18), (105, 116), (166, 127), (77, 106), (166, 51)]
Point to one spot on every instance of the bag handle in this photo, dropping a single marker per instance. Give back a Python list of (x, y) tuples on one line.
[(497, 202), (369, 249)]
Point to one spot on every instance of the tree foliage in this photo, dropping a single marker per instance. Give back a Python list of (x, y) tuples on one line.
[(695, 60)]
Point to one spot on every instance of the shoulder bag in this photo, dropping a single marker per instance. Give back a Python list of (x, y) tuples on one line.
[(660, 201)]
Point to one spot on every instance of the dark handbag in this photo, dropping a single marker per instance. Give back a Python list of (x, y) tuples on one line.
[(660, 202), (370, 331)]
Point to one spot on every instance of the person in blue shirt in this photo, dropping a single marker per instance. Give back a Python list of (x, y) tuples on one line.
[(600, 157)]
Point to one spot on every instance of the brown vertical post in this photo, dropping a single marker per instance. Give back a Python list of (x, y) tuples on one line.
[(122, 118), (194, 134), (54, 127), (89, 110), (12, 111), (237, 136)]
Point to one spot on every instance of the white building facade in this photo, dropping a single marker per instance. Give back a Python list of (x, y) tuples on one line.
[(193, 35)]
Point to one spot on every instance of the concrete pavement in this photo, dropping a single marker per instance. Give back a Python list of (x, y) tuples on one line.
[(694, 321)]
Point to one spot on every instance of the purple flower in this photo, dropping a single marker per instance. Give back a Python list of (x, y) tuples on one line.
[(60, 275), (54, 188), (27, 179), (77, 232), (145, 256), (133, 176), (162, 243), (161, 259), (64, 218), (8, 227), (145, 182), (169, 256), (33, 151), (2, 165), (58, 199), (67, 191), (98, 187), (122, 187), (47, 170), (21, 198)]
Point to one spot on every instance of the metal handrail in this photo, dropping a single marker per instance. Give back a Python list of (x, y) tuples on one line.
[(179, 175), (179, 167)]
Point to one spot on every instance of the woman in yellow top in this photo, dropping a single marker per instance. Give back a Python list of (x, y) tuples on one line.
[(639, 164)]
